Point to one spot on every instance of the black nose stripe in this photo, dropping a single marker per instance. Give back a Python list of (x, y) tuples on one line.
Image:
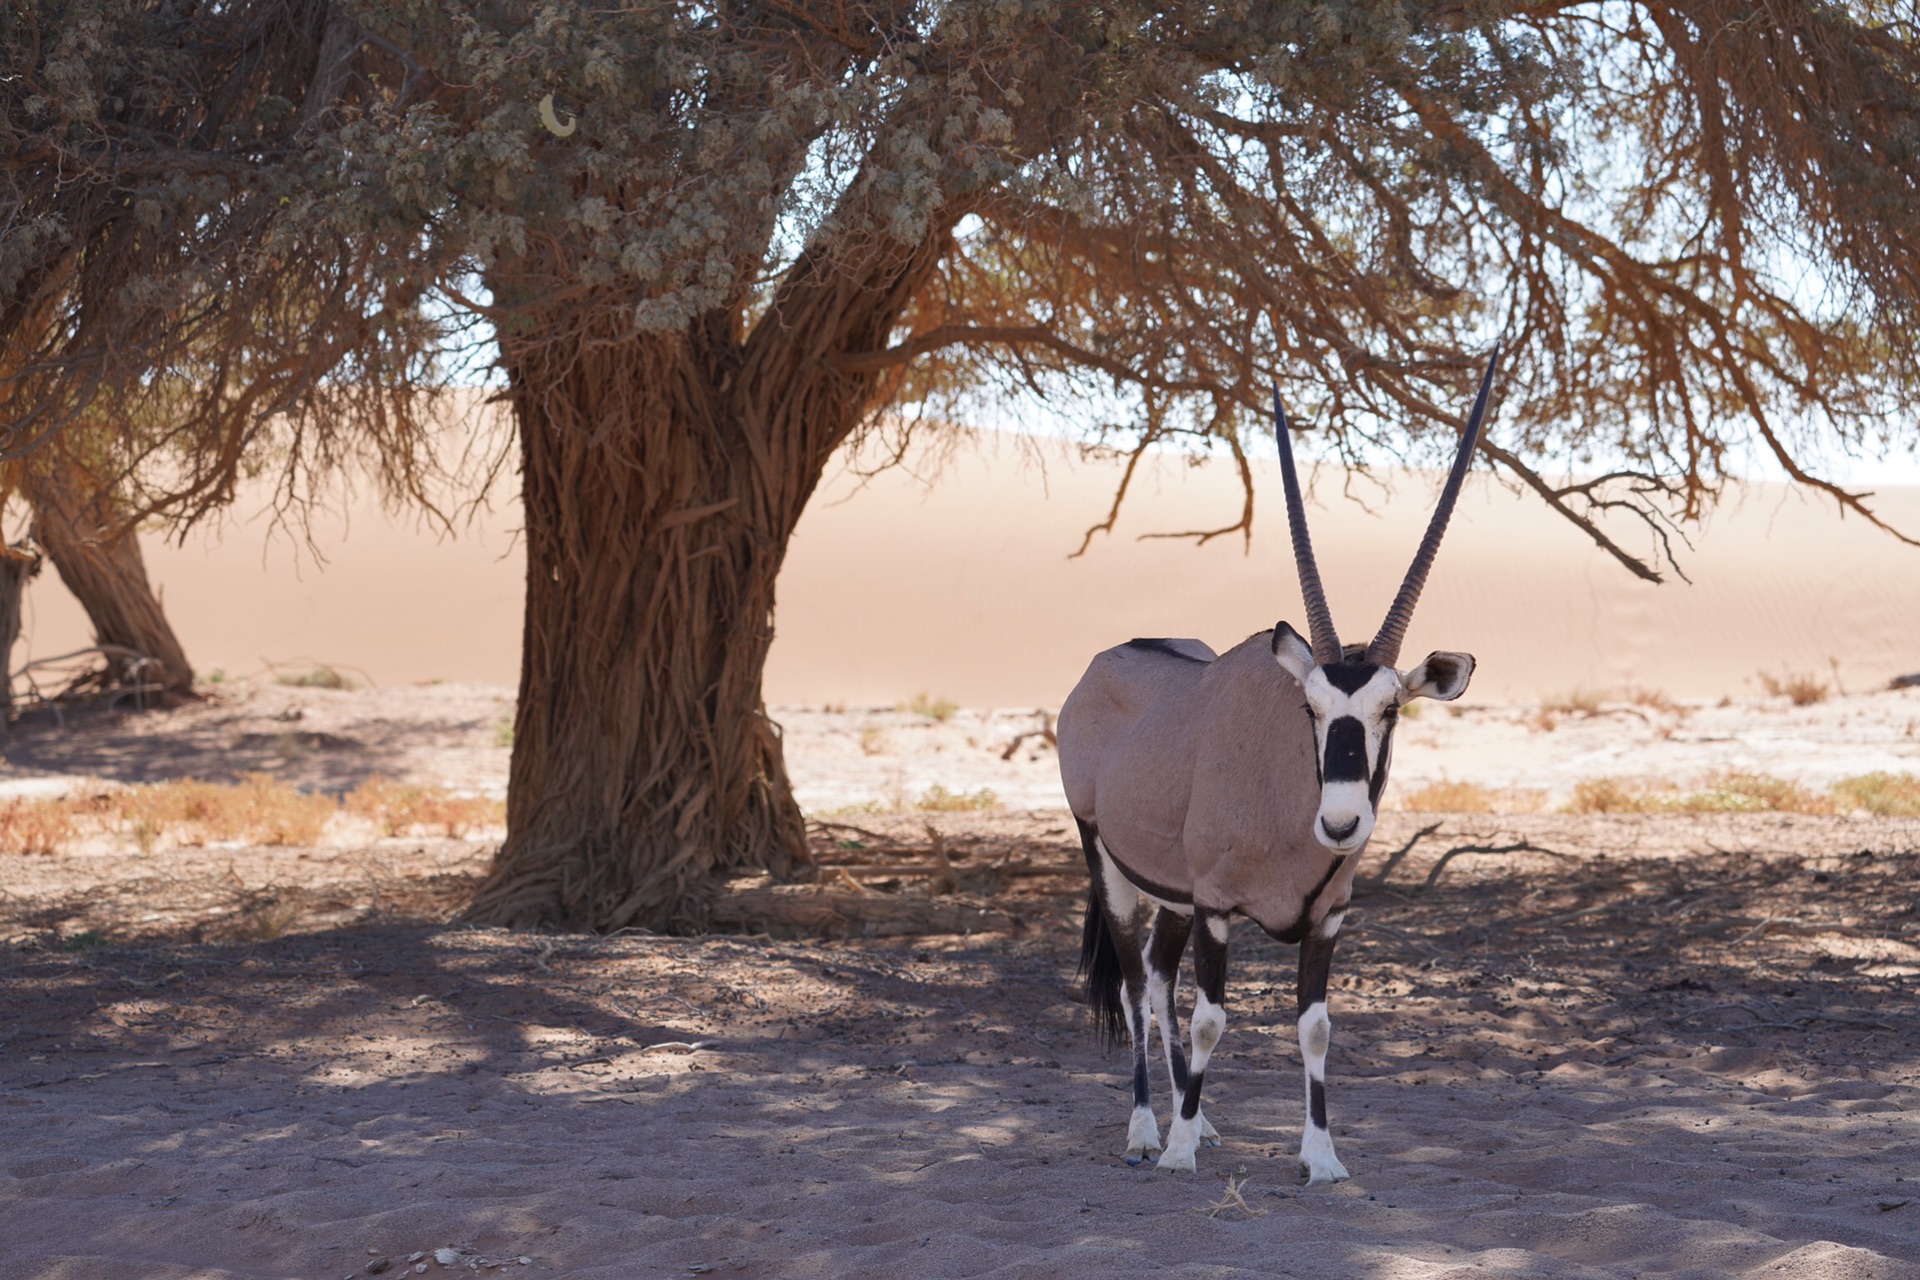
[(1346, 751)]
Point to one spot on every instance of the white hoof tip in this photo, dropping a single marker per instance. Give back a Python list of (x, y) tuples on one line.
[(1211, 1140), (1176, 1164), (1325, 1177)]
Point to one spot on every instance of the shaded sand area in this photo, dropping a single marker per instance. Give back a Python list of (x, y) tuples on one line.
[(1563, 1046)]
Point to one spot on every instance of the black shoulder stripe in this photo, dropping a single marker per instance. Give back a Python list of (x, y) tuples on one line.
[(1166, 647)]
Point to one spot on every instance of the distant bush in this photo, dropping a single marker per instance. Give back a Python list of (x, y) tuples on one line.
[(938, 799), (35, 826), (1885, 795), (940, 709), (259, 809), (1802, 690), (1731, 792), (318, 678), (1451, 797)]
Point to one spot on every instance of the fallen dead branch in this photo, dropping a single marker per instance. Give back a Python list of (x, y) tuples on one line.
[(1521, 846)]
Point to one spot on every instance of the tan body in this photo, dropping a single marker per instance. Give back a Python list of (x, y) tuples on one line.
[(1200, 777)]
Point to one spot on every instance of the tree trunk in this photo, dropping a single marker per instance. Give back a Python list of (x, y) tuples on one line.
[(16, 566), (662, 475), (77, 520), (643, 758)]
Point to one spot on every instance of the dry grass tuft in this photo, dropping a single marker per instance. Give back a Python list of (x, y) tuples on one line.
[(940, 709), (267, 921), (1884, 795), (35, 826), (1609, 795), (938, 799), (1717, 793), (400, 810), (1581, 702), (1754, 793), (1448, 796), (321, 677), (1800, 688), (259, 809), (1655, 700)]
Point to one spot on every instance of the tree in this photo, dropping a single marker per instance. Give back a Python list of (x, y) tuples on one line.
[(715, 241), (130, 390), (80, 521)]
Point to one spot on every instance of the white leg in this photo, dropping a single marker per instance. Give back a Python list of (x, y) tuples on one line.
[(1143, 1135), (1143, 1131), (1162, 991), (1316, 1144), (1183, 1139)]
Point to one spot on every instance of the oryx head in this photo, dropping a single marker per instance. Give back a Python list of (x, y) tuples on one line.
[(1353, 694)]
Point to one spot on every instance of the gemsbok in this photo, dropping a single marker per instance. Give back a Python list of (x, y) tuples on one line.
[(1247, 783)]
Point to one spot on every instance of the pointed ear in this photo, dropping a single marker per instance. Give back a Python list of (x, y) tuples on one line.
[(1443, 676), (1293, 653)]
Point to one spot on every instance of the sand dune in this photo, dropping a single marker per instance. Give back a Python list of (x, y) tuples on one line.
[(963, 587)]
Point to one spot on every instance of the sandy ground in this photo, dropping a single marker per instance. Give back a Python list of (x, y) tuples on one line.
[(1563, 1046)]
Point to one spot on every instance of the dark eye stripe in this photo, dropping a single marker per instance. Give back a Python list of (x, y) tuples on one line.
[(1378, 782)]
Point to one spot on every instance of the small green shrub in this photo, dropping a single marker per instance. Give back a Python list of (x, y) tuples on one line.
[(938, 799), (1884, 795), (318, 678), (940, 709)]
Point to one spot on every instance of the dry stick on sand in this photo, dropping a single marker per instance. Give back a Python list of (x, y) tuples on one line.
[(1045, 731), (1523, 846), (1233, 1197), (1395, 858)]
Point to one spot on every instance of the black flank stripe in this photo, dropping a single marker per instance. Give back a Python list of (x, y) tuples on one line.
[(1145, 885), (1166, 647)]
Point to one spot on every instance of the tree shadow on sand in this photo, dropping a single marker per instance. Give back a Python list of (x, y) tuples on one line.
[(1542, 1065)]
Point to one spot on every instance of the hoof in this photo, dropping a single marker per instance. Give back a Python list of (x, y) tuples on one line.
[(1209, 1136), (1143, 1135), (1176, 1162), (1325, 1174)]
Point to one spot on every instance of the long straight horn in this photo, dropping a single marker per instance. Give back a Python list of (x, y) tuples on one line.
[(1385, 649), (1326, 644)]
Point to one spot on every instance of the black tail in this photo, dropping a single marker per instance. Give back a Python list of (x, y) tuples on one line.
[(1099, 957)]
